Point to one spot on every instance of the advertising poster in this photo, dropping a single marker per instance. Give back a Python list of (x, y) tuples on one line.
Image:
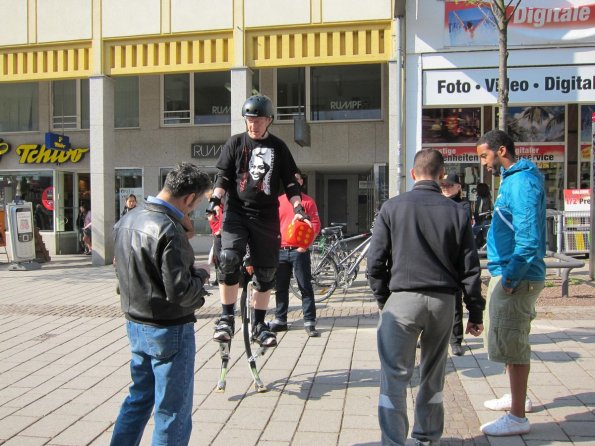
[(533, 22)]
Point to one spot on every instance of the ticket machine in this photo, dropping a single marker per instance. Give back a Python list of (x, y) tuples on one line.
[(22, 240)]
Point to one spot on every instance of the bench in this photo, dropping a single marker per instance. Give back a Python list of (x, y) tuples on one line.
[(554, 260)]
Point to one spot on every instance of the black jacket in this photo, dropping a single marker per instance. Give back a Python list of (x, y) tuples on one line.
[(154, 263), (423, 241)]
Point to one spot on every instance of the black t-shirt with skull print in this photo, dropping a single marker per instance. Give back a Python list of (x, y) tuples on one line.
[(252, 171)]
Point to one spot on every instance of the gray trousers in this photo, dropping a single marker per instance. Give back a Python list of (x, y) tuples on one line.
[(405, 316)]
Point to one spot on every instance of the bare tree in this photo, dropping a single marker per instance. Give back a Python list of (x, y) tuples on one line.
[(502, 13)]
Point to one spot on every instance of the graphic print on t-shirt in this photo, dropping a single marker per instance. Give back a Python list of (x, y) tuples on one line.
[(259, 169)]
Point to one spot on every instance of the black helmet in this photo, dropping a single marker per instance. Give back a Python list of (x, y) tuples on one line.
[(258, 105)]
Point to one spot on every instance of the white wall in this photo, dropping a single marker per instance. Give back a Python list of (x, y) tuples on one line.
[(131, 17), (356, 10), (276, 12), (191, 15), (61, 20), (14, 26)]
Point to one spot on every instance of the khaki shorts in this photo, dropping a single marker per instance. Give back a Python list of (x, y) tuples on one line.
[(510, 321)]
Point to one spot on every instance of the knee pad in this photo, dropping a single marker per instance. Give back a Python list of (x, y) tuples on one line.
[(229, 266), (264, 278)]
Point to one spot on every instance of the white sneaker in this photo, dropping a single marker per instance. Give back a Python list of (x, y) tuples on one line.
[(504, 426), (505, 403)]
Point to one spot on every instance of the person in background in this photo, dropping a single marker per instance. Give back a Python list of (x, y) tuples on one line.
[(516, 248), (252, 167), (215, 222), (297, 260), (451, 188), (160, 290), (80, 224), (87, 232), (130, 204), (482, 214), (421, 253)]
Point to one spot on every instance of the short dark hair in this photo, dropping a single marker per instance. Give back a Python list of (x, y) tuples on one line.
[(497, 138), (186, 178), (428, 162)]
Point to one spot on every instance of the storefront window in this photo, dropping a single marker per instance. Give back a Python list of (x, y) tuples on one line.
[(539, 135), (128, 181), (176, 99), (34, 187), (126, 102), (212, 98), (291, 93), (346, 92), (70, 104), (454, 132), (19, 111), (585, 145)]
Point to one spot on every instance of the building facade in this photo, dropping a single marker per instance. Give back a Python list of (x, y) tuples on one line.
[(135, 87), (452, 82), (100, 98)]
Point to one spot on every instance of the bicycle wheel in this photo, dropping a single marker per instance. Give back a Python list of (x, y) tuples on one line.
[(324, 280)]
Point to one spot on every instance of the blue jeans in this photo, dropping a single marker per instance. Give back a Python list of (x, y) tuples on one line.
[(299, 262), (162, 371)]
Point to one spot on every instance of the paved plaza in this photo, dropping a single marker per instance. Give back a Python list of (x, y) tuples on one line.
[(64, 371)]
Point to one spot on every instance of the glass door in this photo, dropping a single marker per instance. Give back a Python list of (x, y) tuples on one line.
[(64, 212)]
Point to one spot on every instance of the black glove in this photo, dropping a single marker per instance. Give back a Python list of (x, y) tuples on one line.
[(299, 210), (214, 201)]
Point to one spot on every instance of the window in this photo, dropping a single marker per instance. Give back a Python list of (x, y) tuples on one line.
[(345, 92), (176, 99), (199, 98), (128, 181), (291, 92), (19, 111), (585, 143), (70, 104), (126, 108), (212, 98)]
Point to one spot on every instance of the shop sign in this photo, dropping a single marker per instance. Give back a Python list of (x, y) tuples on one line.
[(458, 154), (55, 141), (40, 154), (577, 199), (467, 23), (47, 198), (206, 150), (540, 153), (4, 148), (535, 85)]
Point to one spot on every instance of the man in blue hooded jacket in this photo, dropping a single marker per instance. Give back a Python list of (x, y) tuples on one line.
[(516, 248)]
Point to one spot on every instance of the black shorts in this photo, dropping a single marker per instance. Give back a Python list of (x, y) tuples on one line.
[(261, 234)]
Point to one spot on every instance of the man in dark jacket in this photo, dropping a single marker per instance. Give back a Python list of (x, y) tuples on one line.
[(421, 254), (451, 188), (159, 291)]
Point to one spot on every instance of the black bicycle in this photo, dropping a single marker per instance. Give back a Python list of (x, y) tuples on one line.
[(333, 262)]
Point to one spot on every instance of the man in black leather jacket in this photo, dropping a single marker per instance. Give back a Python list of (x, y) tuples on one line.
[(159, 291)]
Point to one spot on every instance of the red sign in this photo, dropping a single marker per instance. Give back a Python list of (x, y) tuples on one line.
[(47, 198), (577, 199), (540, 153), (457, 154)]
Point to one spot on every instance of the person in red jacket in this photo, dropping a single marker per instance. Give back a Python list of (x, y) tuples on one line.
[(296, 259)]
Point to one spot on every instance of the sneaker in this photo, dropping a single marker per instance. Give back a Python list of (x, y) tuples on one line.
[(312, 332), (505, 425), (457, 350), (505, 403), (224, 329), (263, 337), (277, 327)]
